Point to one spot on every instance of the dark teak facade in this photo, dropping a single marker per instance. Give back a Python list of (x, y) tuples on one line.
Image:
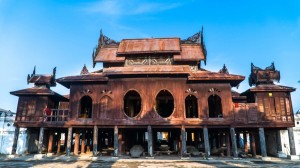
[(153, 92)]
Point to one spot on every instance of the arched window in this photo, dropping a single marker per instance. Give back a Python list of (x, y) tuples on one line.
[(104, 107), (86, 107), (215, 106), (191, 107), (164, 103), (132, 103)]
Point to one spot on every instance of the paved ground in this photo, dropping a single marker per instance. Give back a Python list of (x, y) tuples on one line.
[(126, 162)]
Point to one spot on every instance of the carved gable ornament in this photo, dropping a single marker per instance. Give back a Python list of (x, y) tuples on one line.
[(263, 76)]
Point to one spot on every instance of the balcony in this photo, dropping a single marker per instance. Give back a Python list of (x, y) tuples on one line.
[(57, 115)]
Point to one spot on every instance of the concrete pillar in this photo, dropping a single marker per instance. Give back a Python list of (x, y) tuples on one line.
[(292, 155), (183, 141), (83, 141), (206, 141), (69, 141), (15, 141), (253, 146), (116, 141), (41, 137), (76, 143), (50, 142), (95, 141), (262, 141), (233, 142), (150, 147)]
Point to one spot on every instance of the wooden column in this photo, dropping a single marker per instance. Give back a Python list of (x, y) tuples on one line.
[(50, 142), (206, 141), (233, 142), (291, 141), (95, 141), (121, 142), (76, 143), (228, 144), (41, 137), (150, 144), (15, 141), (69, 141), (58, 142), (116, 141), (183, 141), (245, 142), (262, 141), (83, 141), (253, 146), (278, 141)]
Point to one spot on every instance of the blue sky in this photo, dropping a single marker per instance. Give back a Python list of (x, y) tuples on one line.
[(63, 34)]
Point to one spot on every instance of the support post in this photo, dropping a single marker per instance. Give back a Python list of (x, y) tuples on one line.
[(150, 146), (76, 143), (206, 141), (58, 142), (95, 141), (83, 141), (228, 144), (183, 141), (15, 143), (245, 142), (69, 141), (233, 142), (116, 141), (253, 146), (40, 144), (293, 155), (262, 141), (50, 142)]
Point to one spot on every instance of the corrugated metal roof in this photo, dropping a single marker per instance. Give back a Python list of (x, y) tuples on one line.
[(151, 45), (108, 54), (190, 52)]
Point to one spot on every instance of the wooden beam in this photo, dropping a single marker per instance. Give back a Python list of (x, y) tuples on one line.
[(76, 143), (116, 141), (69, 141), (95, 141), (262, 141), (206, 141), (15, 141), (183, 141), (41, 137), (292, 141), (253, 146), (50, 142), (233, 142), (150, 143), (83, 141)]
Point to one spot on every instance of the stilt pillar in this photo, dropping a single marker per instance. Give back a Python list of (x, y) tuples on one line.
[(15, 143), (41, 137), (95, 141), (233, 142), (76, 143), (183, 141), (206, 141), (245, 142), (69, 141), (228, 144), (253, 146), (50, 142), (262, 141), (116, 141), (150, 144), (292, 155), (58, 142), (83, 141)]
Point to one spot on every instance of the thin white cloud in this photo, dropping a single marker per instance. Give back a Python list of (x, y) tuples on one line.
[(121, 7)]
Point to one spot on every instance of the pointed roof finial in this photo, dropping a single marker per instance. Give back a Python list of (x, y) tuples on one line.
[(84, 70), (33, 73), (224, 70)]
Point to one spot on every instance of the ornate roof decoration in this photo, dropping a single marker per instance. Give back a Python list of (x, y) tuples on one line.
[(102, 42), (84, 70), (263, 76), (42, 79), (224, 70), (197, 38)]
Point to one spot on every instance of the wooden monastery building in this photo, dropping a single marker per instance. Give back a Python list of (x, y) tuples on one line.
[(153, 93)]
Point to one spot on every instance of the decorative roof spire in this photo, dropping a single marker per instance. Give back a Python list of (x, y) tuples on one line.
[(263, 76), (224, 70), (84, 70)]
